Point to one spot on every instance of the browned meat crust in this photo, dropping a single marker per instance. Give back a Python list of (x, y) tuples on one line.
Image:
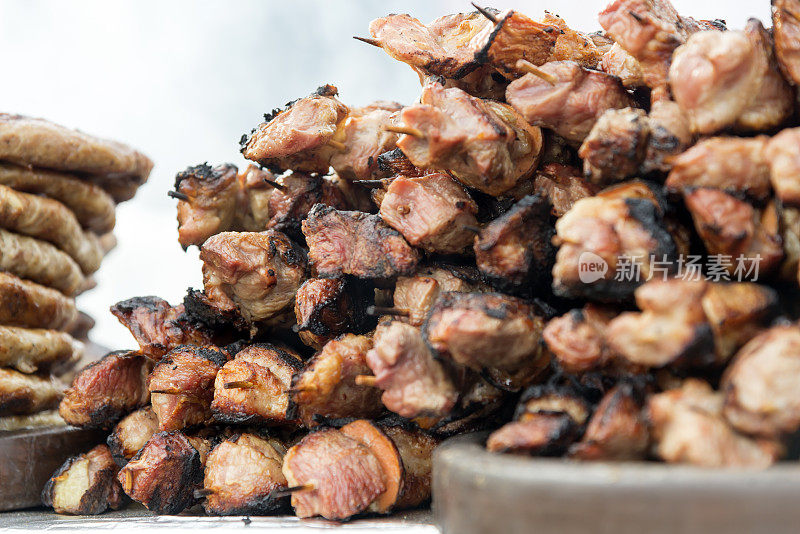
[(106, 390), (40, 262), (577, 338), (417, 294), (416, 451), (93, 207), (562, 186), (355, 243), (782, 155), (210, 206), (32, 349), (132, 433), (27, 304), (85, 484), (616, 146), (328, 307), (545, 434), (22, 394), (786, 32)]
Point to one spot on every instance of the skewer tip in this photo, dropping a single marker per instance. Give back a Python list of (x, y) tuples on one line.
[(485, 12), (406, 130), (530, 68), (239, 384), (366, 380), (373, 42), (178, 195), (285, 492), (338, 145), (385, 310), (275, 184)]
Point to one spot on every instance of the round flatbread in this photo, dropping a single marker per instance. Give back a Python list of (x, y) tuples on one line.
[(50, 221), (92, 206), (27, 304), (22, 394), (40, 262), (41, 143)]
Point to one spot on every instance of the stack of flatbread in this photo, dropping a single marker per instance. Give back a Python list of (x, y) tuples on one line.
[(58, 192)]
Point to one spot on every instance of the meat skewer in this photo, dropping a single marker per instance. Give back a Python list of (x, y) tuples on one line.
[(132, 433), (85, 484)]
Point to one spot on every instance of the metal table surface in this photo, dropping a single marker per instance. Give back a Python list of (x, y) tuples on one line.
[(135, 517)]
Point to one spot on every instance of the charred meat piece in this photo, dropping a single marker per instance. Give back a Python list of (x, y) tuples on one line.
[(431, 212), (413, 381), (106, 390), (22, 394), (416, 451), (159, 327), (577, 339), (355, 243), (486, 145), (132, 433), (733, 228), (566, 98), (731, 164), (514, 251), (182, 386), (617, 429), (301, 192), (670, 134), (328, 307), (298, 137), (85, 484), (210, 203), (782, 155), (650, 31), (327, 387), (340, 477), (364, 139), (688, 427), (240, 475), (164, 475), (415, 295), (572, 45), (396, 163), (616, 146), (515, 37), (617, 62), (256, 187), (619, 230), (730, 79), (786, 32), (759, 387), (255, 273), (562, 186), (253, 387)]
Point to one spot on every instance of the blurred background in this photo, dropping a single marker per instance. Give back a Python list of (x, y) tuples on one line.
[(182, 80)]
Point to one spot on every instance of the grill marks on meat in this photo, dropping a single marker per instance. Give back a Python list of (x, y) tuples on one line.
[(431, 212), (416, 451), (577, 338), (22, 394), (241, 473), (32, 349), (164, 475), (328, 307), (730, 79), (301, 192), (211, 204), (414, 382), (182, 386), (132, 433), (345, 475), (782, 155), (297, 137), (159, 327), (562, 186), (356, 243), (326, 387), (486, 145), (85, 484), (365, 139), (417, 294), (256, 274), (572, 103), (786, 32), (514, 252), (688, 427), (516, 37), (616, 145), (253, 387), (105, 391)]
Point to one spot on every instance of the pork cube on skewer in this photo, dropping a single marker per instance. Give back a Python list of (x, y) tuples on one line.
[(415, 295), (132, 433), (782, 156), (328, 307), (208, 202), (364, 139), (618, 62), (786, 32), (85, 484), (616, 146), (577, 339), (562, 186)]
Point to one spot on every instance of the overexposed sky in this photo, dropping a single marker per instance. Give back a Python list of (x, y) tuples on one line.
[(182, 80)]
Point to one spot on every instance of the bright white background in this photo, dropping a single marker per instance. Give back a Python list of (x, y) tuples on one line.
[(182, 80)]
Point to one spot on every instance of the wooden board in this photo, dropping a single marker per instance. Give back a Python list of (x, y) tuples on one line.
[(29, 457), (479, 492)]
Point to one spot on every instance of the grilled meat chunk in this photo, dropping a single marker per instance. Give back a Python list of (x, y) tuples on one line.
[(413, 381), (85, 484), (355, 243), (364, 140), (784, 161), (105, 391), (486, 145), (620, 230), (32, 349), (301, 192), (39, 262), (327, 387), (343, 476), (297, 138), (731, 164), (182, 386), (733, 228), (577, 339), (211, 202), (27, 304), (416, 294), (159, 327), (22, 394), (253, 387), (515, 37), (569, 100), (562, 186), (760, 386), (416, 451), (670, 134), (617, 429), (617, 62), (616, 146), (514, 252), (431, 212), (328, 307), (132, 433), (165, 473), (730, 79), (688, 427), (241, 473), (786, 32), (256, 274)]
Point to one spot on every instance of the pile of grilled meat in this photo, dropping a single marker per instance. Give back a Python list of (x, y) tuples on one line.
[(586, 243)]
